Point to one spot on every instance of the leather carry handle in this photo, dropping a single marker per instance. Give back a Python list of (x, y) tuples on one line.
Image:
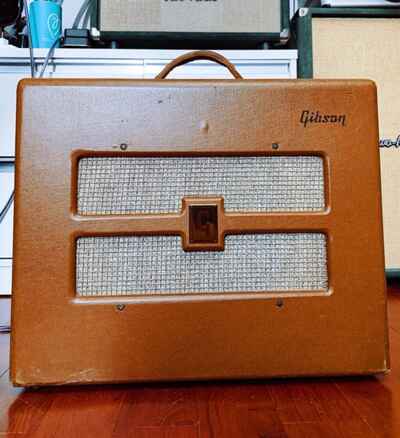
[(199, 55)]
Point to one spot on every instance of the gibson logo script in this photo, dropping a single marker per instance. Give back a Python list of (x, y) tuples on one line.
[(388, 143), (315, 117)]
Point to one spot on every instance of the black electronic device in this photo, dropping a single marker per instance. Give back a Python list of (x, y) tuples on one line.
[(10, 11), (78, 38)]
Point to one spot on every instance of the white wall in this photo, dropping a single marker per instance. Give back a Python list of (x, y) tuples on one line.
[(70, 9)]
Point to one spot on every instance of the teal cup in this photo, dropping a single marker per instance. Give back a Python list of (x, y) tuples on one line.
[(45, 22)]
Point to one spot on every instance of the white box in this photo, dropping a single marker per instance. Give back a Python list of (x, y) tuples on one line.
[(122, 63), (6, 225), (5, 277), (6, 207), (5, 312)]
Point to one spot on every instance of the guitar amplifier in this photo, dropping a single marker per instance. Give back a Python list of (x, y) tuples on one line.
[(196, 229), (338, 43), (163, 23)]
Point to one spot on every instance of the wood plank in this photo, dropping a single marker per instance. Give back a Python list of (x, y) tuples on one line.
[(81, 412), (155, 408), (319, 403), (237, 410), (164, 432), (21, 411), (295, 402), (377, 400), (323, 429), (375, 404)]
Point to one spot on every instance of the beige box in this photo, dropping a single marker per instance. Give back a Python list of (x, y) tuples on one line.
[(363, 44), (128, 18)]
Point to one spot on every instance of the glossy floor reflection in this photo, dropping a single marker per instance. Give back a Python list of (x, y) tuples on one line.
[(346, 407)]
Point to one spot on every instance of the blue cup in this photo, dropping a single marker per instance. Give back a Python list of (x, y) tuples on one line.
[(45, 22)]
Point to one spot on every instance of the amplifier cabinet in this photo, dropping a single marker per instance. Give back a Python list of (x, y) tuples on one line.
[(196, 229), (338, 43), (186, 23)]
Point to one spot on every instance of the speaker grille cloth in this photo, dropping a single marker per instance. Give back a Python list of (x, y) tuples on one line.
[(131, 185), (157, 265)]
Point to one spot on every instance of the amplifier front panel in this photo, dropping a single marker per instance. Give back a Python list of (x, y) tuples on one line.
[(158, 239), (191, 16)]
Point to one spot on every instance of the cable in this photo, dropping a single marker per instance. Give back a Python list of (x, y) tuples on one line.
[(7, 207), (48, 56), (49, 53), (87, 16), (5, 329), (81, 13), (28, 26), (93, 17)]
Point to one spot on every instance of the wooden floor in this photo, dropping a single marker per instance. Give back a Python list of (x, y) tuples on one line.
[(351, 407)]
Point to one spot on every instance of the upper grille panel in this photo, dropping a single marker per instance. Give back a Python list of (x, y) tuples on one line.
[(134, 185)]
